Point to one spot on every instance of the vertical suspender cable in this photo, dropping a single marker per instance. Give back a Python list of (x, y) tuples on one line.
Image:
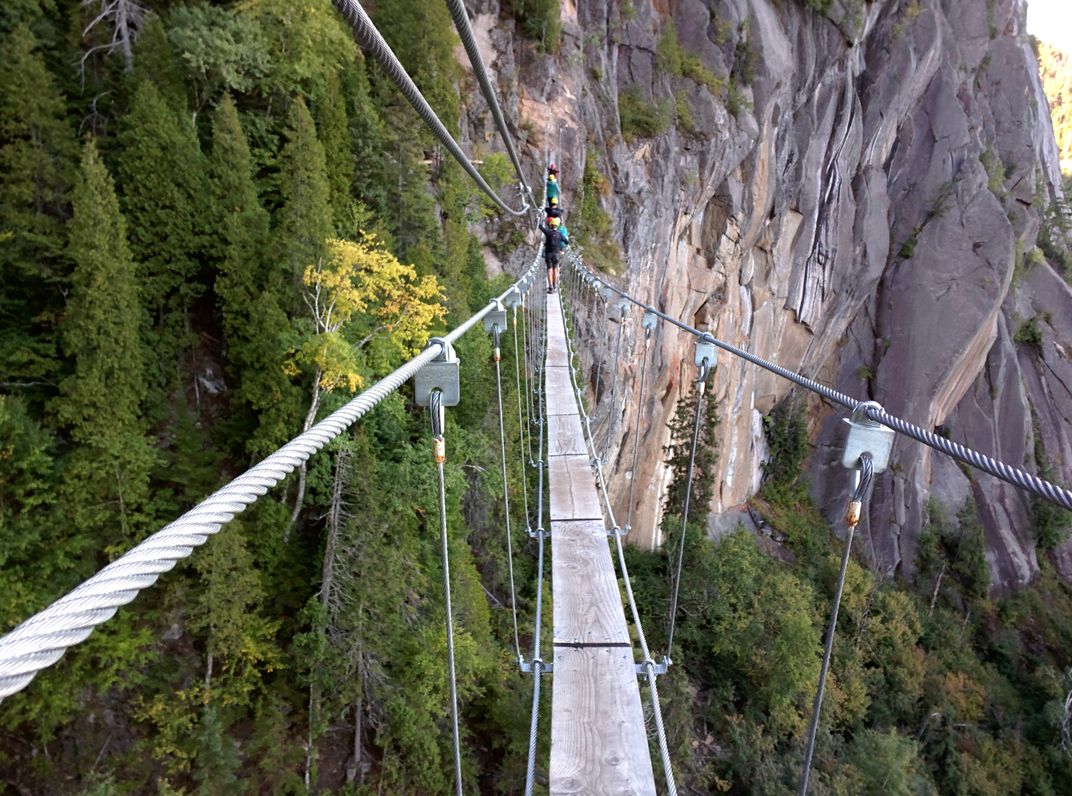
[(521, 421), (537, 661), (700, 383), (506, 497), (636, 431), (435, 406), (853, 517)]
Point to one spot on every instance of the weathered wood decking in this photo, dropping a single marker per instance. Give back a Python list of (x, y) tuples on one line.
[(598, 741)]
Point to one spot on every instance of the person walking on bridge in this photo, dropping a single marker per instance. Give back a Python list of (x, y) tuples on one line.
[(553, 243)]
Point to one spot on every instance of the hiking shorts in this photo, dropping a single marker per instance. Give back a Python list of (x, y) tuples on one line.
[(552, 262)]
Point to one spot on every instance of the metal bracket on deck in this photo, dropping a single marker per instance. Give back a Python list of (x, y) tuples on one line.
[(528, 667), (659, 668)]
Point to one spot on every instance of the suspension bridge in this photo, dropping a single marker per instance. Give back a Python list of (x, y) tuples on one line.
[(603, 673)]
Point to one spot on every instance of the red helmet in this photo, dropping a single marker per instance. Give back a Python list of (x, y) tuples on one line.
[(552, 169)]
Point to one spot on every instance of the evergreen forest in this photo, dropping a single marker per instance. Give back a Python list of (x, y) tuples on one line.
[(182, 186)]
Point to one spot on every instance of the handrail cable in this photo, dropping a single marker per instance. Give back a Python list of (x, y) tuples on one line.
[(42, 639), (700, 384), (647, 663), (999, 469), (465, 32), (370, 39), (436, 409)]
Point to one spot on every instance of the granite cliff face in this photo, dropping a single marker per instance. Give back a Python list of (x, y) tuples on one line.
[(868, 216)]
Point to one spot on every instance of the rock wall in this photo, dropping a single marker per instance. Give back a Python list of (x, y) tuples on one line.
[(867, 216)]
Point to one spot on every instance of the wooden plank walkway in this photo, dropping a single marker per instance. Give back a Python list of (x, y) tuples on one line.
[(598, 741)]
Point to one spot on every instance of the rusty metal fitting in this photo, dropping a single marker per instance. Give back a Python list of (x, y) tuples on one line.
[(497, 355), (439, 449), (852, 514)]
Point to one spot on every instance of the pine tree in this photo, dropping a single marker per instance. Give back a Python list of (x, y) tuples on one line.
[(166, 201), (38, 153), (334, 128), (107, 476), (249, 291), (677, 457), (305, 220)]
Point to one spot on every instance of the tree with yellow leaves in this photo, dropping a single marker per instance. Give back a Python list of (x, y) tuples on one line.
[(367, 309)]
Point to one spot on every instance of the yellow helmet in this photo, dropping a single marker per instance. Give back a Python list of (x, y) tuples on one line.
[(555, 221)]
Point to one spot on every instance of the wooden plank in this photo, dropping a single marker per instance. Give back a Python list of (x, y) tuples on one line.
[(559, 392), (573, 489), (587, 603), (598, 743), (565, 436), (598, 739)]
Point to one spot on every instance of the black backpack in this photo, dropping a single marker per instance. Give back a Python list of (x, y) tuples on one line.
[(554, 243)]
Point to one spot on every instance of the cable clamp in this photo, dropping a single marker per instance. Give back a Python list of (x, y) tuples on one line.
[(650, 320), (867, 436), (618, 532), (539, 533), (442, 374), (657, 669), (706, 355), (536, 665)]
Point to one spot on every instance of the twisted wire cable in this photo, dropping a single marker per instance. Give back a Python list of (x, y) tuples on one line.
[(648, 663), (636, 431), (435, 408), (465, 32), (995, 467), (521, 419), (506, 497), (685, 511), (858, 494), (371, 40), (42, 639), (537, 659)]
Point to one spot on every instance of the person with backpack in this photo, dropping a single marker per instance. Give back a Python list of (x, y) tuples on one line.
[(553, 243), (552, 184)]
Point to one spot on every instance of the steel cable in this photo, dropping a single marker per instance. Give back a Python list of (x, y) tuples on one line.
[(636, 431), (465, 32), (537, 660), (1006, 472), (42, 639), (435, 408), (685, 512), (506, 497), (370, 39), (859, 493)]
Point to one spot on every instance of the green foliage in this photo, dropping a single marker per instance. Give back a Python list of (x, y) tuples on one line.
[(640, 117), (223, 50), (164, 186), (540, 20), (100, 402), (787, 442), (677, 457), (673, 59), (595, 228), (37, 159), (305, 223), (1029, 334)]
